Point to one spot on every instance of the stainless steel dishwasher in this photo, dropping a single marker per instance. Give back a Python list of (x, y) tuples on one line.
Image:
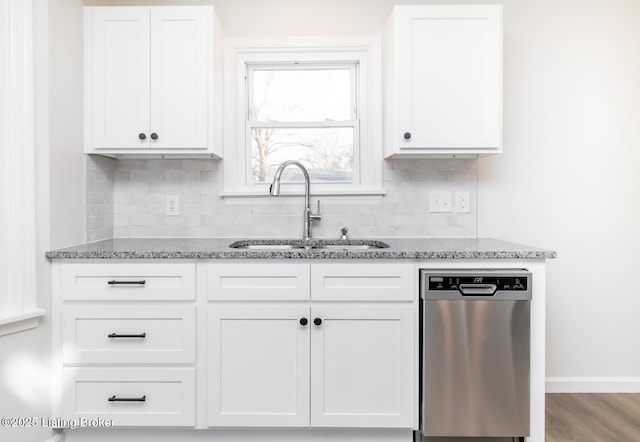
[(475, 347)]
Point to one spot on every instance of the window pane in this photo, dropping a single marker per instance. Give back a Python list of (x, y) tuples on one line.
[(288, 95), (327, 153)]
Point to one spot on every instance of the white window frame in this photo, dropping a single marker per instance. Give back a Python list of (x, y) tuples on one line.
[(18, 294), (363, 51)]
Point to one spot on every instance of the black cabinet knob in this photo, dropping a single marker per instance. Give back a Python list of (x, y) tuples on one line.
[(407, 135), (304, 321), (142, 136), (317, 321), (154, 136)]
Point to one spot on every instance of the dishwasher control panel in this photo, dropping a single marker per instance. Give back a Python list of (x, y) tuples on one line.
[(475, 284), (453, 282)]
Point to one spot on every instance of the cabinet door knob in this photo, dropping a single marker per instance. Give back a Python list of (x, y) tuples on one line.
[(304, 321), (407, 135), (142, 136), (154, 136), (317, 321)]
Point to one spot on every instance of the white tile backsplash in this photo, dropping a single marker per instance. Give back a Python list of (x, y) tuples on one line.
[(100, 197), (126, 198)]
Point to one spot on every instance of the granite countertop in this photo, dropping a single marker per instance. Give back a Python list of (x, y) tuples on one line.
[(218, 248)]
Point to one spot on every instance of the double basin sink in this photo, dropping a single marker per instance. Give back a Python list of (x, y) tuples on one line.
[(313, 244)]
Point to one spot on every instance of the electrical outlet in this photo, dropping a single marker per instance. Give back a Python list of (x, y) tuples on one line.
[(172, 205), (440, 201), (462, 204)]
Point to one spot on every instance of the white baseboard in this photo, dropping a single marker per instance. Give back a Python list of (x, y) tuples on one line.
[(593, 385)]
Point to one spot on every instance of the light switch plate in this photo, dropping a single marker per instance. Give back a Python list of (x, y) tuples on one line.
[(439, 201)]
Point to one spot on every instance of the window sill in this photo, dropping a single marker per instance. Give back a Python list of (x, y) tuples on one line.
[(347, 197), (20, 322)]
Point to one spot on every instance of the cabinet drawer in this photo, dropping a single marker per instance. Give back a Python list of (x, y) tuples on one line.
[(362, 282), (129, 282), (131, 396), (129, 334), (258, 282)]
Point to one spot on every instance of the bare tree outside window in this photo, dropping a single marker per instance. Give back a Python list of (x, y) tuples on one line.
[(307, 113)]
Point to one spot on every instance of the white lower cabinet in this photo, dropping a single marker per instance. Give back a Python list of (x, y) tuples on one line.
[(327, 366), (230, 345), (127, 336), (258, 366), (362, 366)]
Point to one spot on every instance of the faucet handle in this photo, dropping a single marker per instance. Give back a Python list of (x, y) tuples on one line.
[(316, 216)]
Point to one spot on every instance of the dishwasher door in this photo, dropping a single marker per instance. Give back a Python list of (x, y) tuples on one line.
[(475, 353)]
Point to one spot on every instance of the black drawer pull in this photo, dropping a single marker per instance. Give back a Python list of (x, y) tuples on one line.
[(114, 282), (115, 335), (127, 399)]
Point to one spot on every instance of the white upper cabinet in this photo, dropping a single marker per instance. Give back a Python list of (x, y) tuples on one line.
[(443, 80), (150, 80)]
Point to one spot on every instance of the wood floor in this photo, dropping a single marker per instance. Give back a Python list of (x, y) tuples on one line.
[(590, 417)]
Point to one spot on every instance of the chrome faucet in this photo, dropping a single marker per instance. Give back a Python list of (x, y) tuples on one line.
[(274, 190)]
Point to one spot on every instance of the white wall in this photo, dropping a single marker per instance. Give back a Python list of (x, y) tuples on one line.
[(67, 162), (569, 180)]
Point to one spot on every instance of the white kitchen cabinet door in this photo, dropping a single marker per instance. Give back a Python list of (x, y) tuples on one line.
[(258, 366), (149, 79), (118, 87), (448, 80), (362, 366), (179, 61)]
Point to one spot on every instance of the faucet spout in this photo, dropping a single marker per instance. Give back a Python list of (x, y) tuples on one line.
[(274, 190)]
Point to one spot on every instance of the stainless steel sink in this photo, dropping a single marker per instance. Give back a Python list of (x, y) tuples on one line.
[(265, 246), (296, 244)]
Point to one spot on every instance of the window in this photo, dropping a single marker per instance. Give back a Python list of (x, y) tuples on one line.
[(317, 102)]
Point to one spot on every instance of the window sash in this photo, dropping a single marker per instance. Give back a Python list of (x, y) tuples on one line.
[(251, 67), (248, 175)]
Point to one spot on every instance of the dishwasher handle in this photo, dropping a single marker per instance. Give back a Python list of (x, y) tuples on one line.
[(478, 289)]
